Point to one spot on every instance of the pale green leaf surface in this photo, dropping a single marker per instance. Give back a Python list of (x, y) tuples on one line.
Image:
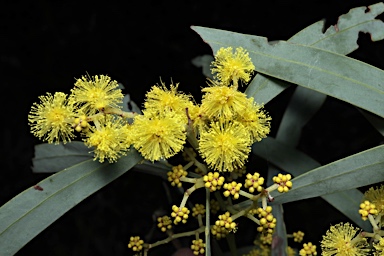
[(30, 212), (333, 74), (358, 170), (344, 41), (297, 163), (51, 158)]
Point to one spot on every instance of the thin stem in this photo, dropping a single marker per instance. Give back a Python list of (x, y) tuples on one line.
[(252, 218), (174, 236)]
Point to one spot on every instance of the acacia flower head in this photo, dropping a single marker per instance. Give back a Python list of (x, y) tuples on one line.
[(51, 120), (96, 93), (109, 138), (157, 137), (225, 146), (367, 208), (160, 99), (230, 66), (223, 102), (198, 209), (175, 175), (255, 120), (376, 197), (180, 214), (341, 240)]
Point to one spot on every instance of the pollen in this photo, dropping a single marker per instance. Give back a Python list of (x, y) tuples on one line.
[(51, 120), (225, 146), (230, 66), (93, 94)]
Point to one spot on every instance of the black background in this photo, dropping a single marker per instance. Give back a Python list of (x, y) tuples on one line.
[(45, 45)]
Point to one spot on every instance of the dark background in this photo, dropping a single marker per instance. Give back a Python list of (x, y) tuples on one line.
[(45, 45)]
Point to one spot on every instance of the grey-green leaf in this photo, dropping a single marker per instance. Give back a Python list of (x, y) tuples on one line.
[(358, 170), (341, 38), (50, 158), (297, 163), (333, 74), (30, 212)]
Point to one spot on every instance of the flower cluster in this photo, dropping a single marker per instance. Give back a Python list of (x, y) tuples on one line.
[(213, 181), (180, 214), (267, 221), (284, 182), (254, 182), (298, 236), (198, 246), (198, 209), (367, 208), (175, 175), (233, 189), (164, 223), (135, 243), (308, 249), (341, 240)]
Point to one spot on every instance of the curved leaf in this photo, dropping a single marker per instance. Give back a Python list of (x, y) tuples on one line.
[(333, 74), (30, 212), (53, 158), (297, 163), (303, 105), (341, 38), (358, 170)]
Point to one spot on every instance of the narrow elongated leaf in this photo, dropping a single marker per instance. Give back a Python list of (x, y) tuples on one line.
[(297, 163), (30, 212), (336, 75), (302, 106), (341, 38), (51, 158), (358, 170)]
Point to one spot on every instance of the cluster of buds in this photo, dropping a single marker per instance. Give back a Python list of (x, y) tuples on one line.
[(284, 182), (225, 221), (180, 215), (219, 232), (232, 188), (308, 249), (367, 208), (198, 209), (267, 221), (214, 206), (164, 223), (135, 243), (198, 246), (254, 182), (175, 175), (266, 238), (298, 236), (80, 124), (213, 181)]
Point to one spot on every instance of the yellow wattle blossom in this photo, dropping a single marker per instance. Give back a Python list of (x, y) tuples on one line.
[(158, 136), (225, 146), (341, 240), (376, 197), (135, 243), (255, 120), (379, 247), (110, 139), (51, 120), (308, 249), (232, 67), (96, 93), (223, 102), (160, 99)]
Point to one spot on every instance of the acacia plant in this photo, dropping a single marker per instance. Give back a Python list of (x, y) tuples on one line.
[(215, 138)]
